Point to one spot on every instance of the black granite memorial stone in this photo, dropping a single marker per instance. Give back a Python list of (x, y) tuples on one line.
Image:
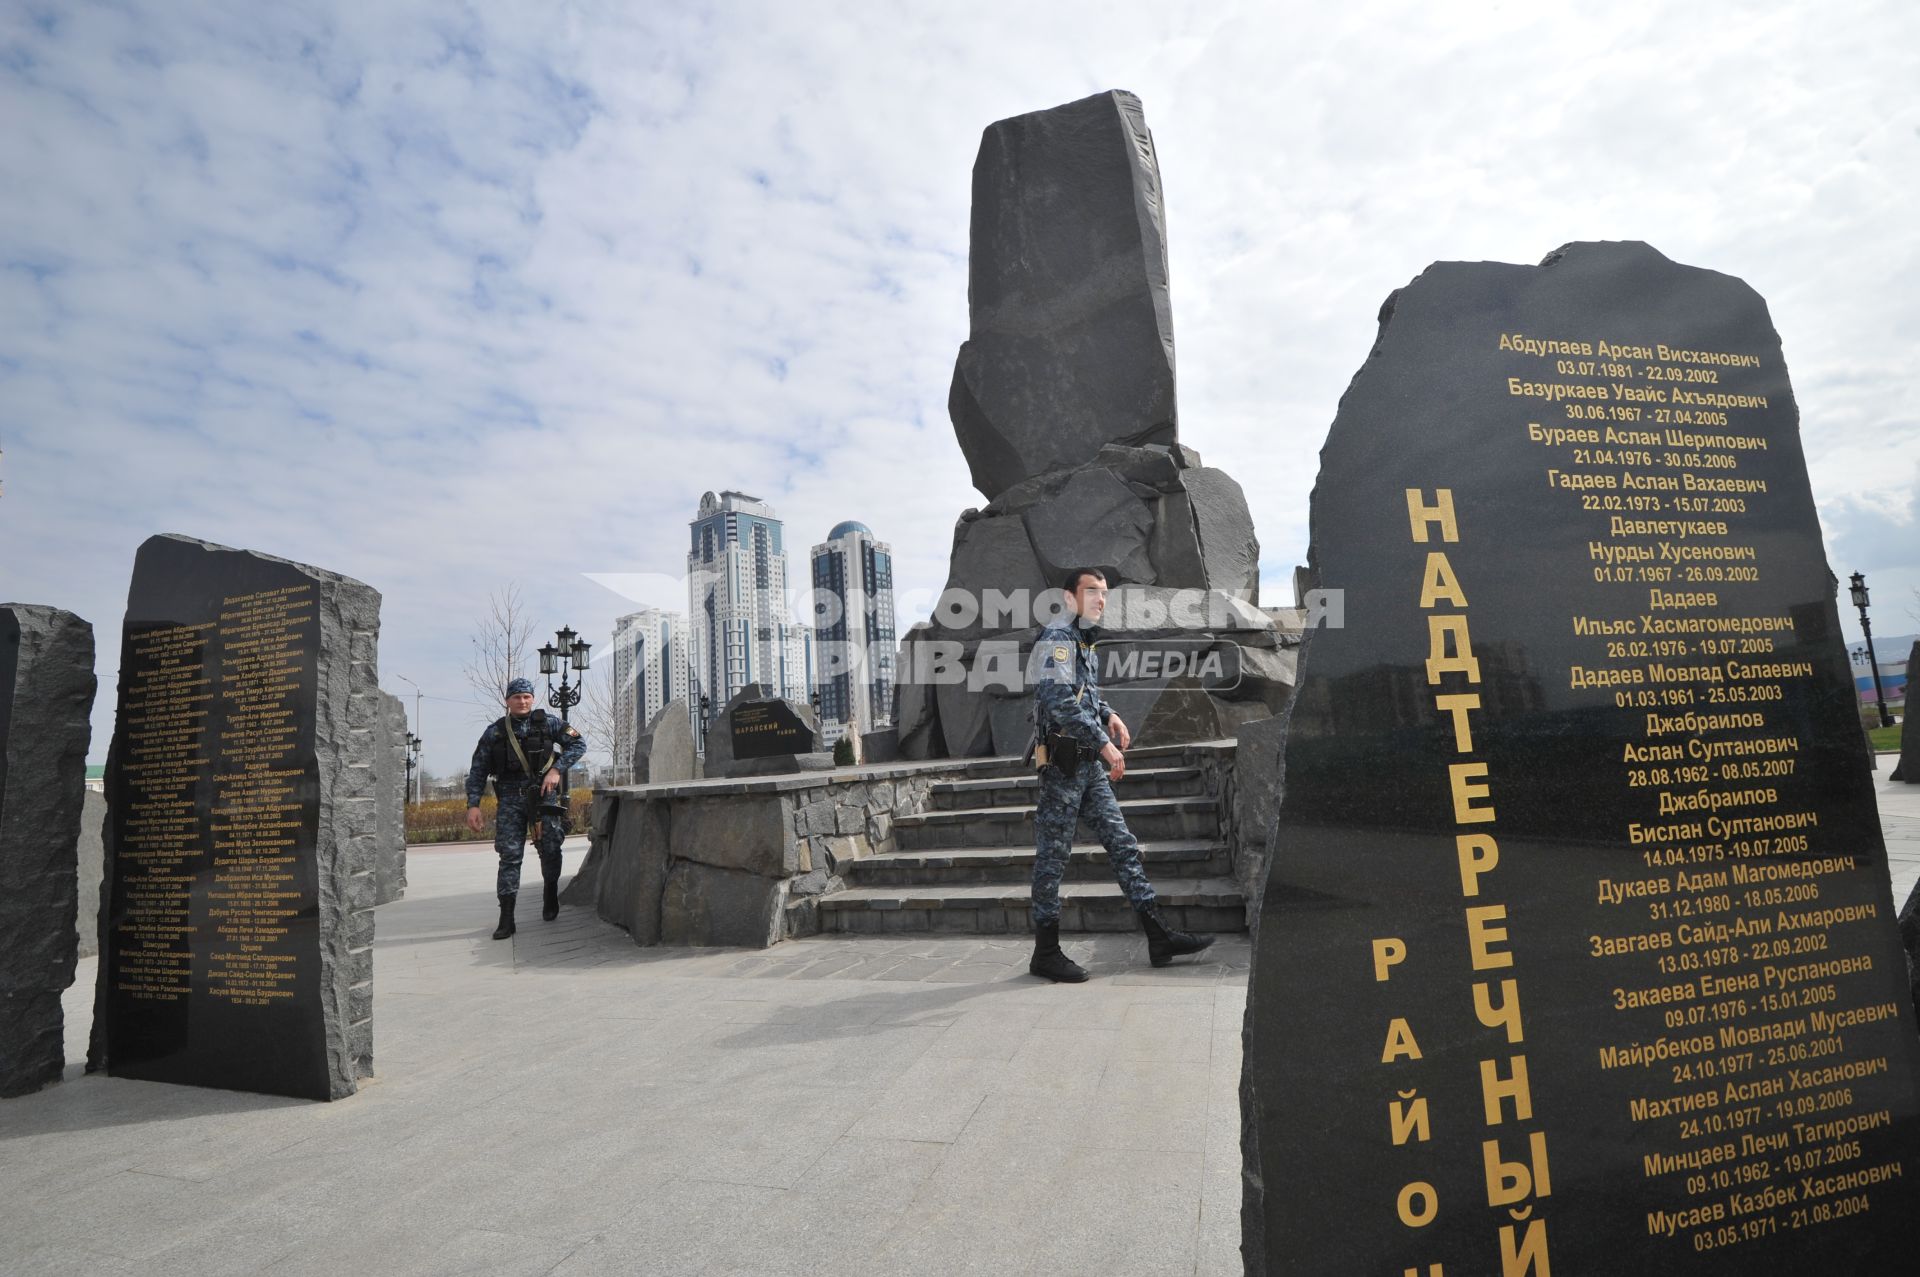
[(238, 923), (766, 729), (1577, 952)]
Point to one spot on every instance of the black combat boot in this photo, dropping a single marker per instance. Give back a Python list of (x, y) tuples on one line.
[(1048, 961), (505, 928), (550, 900), (1164, 944)]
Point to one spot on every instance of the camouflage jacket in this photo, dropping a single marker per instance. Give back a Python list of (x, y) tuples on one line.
[(568, 741), (1065, 673)]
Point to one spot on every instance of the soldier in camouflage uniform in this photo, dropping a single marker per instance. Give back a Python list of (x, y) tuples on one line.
[(527, 752), (1065, 674)]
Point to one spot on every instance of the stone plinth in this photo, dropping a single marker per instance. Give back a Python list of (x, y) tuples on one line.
[(736, 862)]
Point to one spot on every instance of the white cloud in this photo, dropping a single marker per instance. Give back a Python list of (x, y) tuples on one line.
[(347, 283)]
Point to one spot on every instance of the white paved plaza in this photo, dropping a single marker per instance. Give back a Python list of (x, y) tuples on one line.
[(568, 1103)]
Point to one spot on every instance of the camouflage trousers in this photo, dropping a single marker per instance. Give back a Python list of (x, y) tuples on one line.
[(518, 810), (1085, 796)]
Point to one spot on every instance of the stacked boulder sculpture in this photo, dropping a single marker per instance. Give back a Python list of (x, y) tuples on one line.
[(1063, 402)]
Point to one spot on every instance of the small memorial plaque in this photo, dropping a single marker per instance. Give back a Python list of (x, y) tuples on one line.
[(1577, 952), (767, 729), (235, 866)]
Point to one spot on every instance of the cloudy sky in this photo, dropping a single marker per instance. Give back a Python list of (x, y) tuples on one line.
[(347, 283)]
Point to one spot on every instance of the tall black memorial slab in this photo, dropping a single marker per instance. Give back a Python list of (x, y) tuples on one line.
[(237, 924), (46, 701), (1577, 951)]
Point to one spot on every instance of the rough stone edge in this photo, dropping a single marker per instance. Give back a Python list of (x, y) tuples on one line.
[(70, 773)]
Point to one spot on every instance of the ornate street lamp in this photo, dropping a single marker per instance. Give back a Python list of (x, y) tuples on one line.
[(1859, 592), (568, 656), (413, 761)]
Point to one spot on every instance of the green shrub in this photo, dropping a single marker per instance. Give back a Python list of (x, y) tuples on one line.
[(843, 752)]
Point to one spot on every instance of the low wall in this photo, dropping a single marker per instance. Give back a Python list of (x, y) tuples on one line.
[(738, 862)]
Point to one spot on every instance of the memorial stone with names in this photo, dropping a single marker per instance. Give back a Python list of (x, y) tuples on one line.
[(1578, 952), (760, 734), (766, 729), (238, 911)]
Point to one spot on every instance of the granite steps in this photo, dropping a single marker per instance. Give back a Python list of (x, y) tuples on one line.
[(965, 866)]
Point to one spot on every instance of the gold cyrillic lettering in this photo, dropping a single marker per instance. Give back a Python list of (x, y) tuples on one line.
[(1420, 514), (1400, 1042), (1444, 630), (1494, 1088), (1387, 952), (1439, 582), (1509, 1182), (1507, 1013), (1478, 854), (1405, 1120), (1481, 934), (1529, 1258), (1418, 1204), (1461, 777), (1457, 704)]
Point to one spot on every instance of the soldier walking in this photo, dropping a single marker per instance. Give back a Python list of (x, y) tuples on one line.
[(1080, 744), (528, 753)]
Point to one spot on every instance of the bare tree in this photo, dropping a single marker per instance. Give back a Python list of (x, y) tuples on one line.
[(597, 716), (501, 636)]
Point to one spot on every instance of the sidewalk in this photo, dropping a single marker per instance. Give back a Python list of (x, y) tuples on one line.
[(567, 1103)]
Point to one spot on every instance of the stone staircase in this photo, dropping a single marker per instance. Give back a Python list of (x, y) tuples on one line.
[(966, 865)]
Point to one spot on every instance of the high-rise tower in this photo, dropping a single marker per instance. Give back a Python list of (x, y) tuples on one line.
[(855, 645), (650, 668), (738, 622)]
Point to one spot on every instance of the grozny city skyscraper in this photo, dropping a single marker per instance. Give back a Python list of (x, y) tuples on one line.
[(853, 630), (737, 602)]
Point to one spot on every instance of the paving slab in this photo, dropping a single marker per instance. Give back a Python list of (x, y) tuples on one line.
[(567, 1102)]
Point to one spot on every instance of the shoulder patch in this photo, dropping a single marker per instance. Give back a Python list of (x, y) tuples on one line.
[(1060, 652)]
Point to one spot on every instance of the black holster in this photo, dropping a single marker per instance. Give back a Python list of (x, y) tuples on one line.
[(1063, 752)]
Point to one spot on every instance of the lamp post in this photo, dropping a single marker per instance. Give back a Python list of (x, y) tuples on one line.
[(569, 655), (417, 724), (413, 762), (698, 707), (1866, 627)]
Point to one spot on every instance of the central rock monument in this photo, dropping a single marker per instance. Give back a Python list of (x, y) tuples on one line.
[(1063, 402)]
